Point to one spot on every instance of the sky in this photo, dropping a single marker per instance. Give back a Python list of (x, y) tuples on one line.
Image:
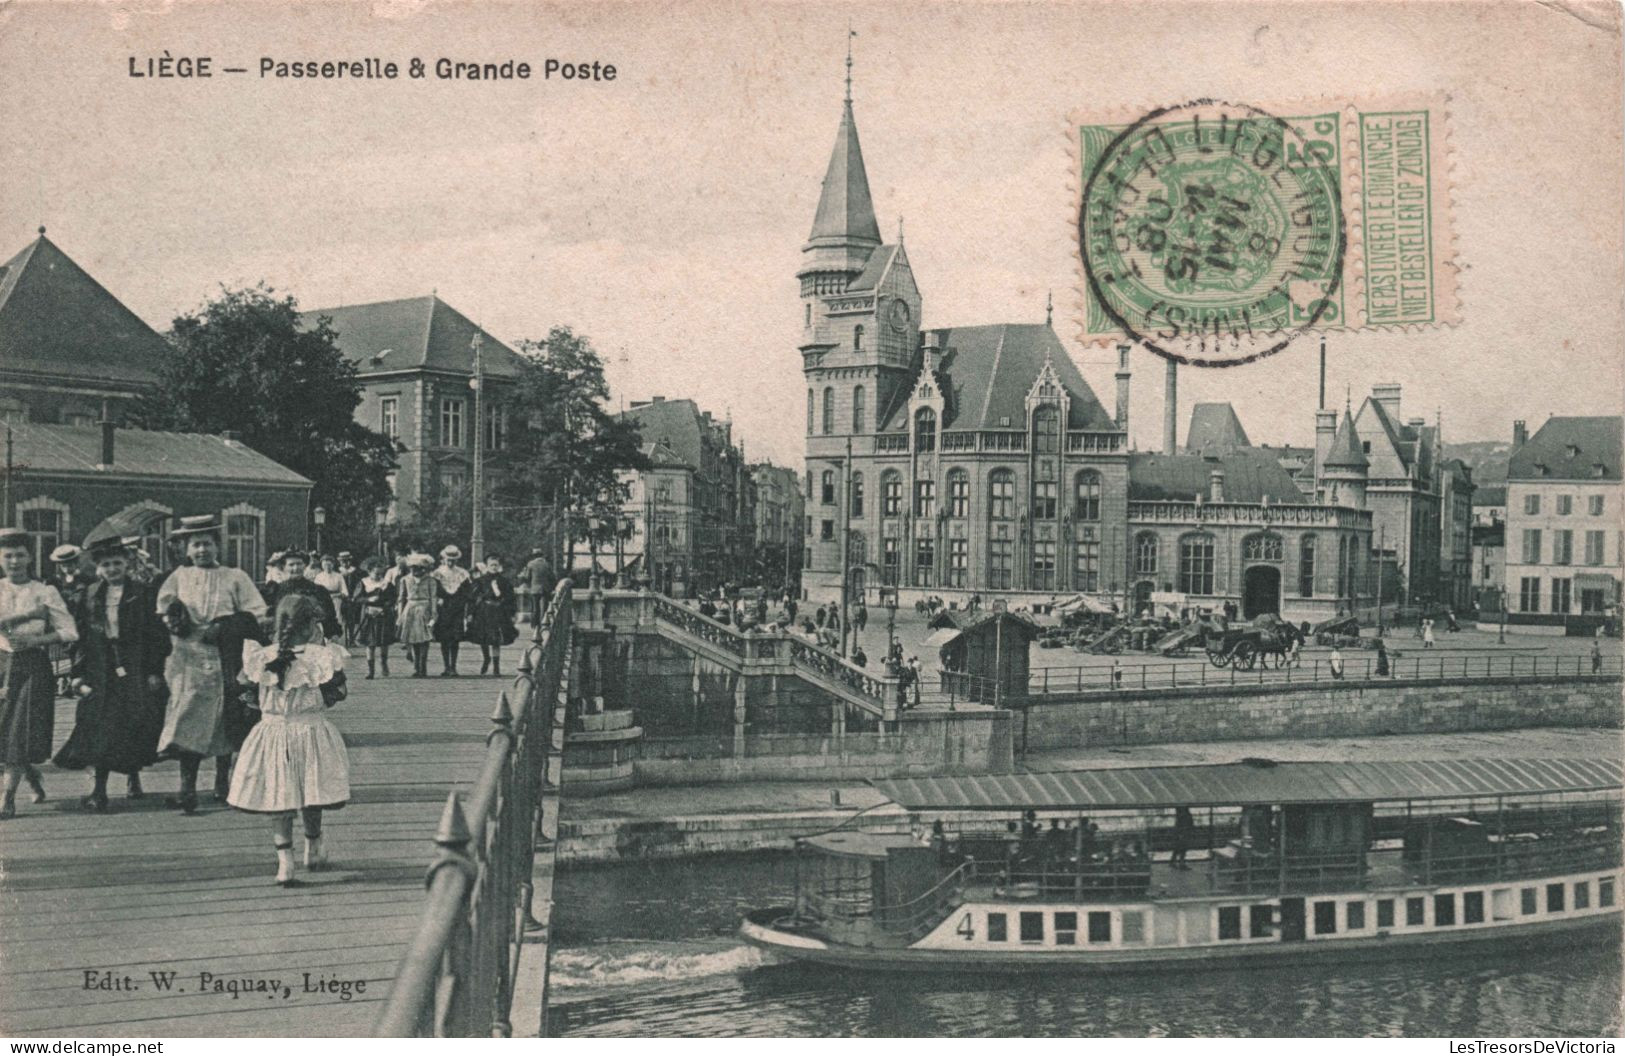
[(662, 213)]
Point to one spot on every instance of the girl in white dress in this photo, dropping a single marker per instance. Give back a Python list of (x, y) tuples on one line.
[(294, 759)]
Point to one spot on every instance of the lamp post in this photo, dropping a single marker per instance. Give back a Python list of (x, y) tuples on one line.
[(319, 517), (476, 544), (381, 519), (1501, 635)]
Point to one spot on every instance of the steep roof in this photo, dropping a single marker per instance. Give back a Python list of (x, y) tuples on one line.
[(1400, 437), (56, 319), (987, 372), (1346, 451), (1215, 426), (138, 452), (1251, 475), (846, 212), (875, 269), (1570, 449), (417, 333), (674, 424)]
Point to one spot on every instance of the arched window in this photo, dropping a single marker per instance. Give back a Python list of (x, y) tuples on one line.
[(1145, 554), (857, 338), (1001, 485), (891, 493), (925, 429), (958, 493), (828, 489), (811, 403), (857, 494), (1047, 429), (858, 405), (1306, 566), (1262, 546), (1196, 564), (829, 411), (1087, 506)]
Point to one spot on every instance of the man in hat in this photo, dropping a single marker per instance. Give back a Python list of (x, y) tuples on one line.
[(291, 565), (538, 576), (210, 611)]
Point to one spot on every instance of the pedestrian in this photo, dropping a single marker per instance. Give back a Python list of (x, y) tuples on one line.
[(790, 606), (119, 667), (914, 677), (330, 579), (398, 571), (860, 618), (821, 617), (1421, 625), (68, 575), (1427, 634), (293, 567), (1382, 659), (493, 608), (374, 600), (1596, 657), (835, 617), (1184, 833), (1295, 652), (1117, 675), (859, 657), (33, 618), (349, 610), (418, 596), (1335, 663), (451, 621), (210, 610), (294, 760)]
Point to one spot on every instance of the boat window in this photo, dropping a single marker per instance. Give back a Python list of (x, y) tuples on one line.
[(1229, 922), (1133, 927), (1356, 915), (1605, 891), (1531, 904), (1066, 929), (1100, 927), (1554, 898), (1385, 912), (1415, 912), (1582, 894), (1325, 918), (1444, 910), (1032, 927), (1260, 921), (1472, 907), (997, 928)]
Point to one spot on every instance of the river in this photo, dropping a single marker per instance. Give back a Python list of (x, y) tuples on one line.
[(648, 949)]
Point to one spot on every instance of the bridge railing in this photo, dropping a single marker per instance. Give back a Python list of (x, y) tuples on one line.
[(457, 978)]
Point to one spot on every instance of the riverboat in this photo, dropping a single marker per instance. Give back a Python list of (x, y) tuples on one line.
[(1250, 863)]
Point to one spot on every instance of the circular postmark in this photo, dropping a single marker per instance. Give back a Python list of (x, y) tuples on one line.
[(1212, 233)]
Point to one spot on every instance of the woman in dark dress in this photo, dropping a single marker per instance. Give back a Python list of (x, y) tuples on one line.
[(493, 607), (374, 603), (451, 617), (32, 619), (119, 661)]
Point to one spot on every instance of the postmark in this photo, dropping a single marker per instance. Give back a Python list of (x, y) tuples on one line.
[(1215, 232)]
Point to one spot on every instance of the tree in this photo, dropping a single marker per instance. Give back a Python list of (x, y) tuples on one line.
[(243, 362)]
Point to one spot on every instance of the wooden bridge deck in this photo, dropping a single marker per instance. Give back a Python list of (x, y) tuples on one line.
[(146, 890)]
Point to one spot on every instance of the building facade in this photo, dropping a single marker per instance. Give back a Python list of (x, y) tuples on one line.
[(779, 511), (1563, 539), (1455, 535), (1404, 494)]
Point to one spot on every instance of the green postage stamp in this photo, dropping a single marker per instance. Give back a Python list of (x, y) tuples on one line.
[(1215, 232)]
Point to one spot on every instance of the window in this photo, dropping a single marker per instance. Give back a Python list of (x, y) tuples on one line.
[(807, 318), (857, 494), (1086, 565), (1032, 927), (1306, 567), (890, 561), (451, 423), (1472, 907), (389, 417), (999, 564), (1133, 922), (45, 531), (1444, 910), (1531, 902), (1385, 912), (1529, 594), (496, 428), (1196, 564), (1594, 505), (1563, 547), (1605, 891), (858, 410), (958, 493), (1260, 921), (1229, 922), (1145, 554), (453, 479), (925, 429), (1415, 912), (1325, 918), (1044, 501), (826, 530), (1264, 546), (925, 562), (1531, 504), (1565, 505), (1047, 430), (1594, 547), (1087, 506), (1345, 567), (1002, 490), (829, 411), (1531, 546), (1356, 916), (1554, 898), (1561, 589), (891, 493), (826, 489), (243, 543), (958, 563), (1066, 929), (925, 499), (1582, 894), (1043, 564), (857, 338), (997, 928), (811, 403), (1100, 927)]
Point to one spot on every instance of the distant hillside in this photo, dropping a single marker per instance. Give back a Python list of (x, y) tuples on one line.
[(1486, 458)]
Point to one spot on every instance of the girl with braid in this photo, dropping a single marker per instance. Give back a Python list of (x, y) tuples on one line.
[(294, 759)]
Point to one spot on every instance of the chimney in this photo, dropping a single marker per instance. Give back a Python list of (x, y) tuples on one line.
[(107, 442), (231, 437), (1520, 434), (1387, 394), (1215, 484), (1325, 433), (657, 399), (1170, 411), (1122, 387), (1417, 423)]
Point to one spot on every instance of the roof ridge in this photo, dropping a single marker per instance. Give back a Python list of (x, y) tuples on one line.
[(987, 397)]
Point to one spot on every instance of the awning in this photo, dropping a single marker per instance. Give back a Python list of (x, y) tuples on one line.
[(1084, 602), (1240, 784)]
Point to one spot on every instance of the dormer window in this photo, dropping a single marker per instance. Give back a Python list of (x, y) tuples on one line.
[(925, 429), (1542, 469), (1598, 469), (1573, 450)]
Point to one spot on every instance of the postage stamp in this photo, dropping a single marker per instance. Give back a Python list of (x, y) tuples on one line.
[(1215, 232)]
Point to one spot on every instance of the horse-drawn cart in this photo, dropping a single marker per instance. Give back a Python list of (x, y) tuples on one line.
[(1268, 641)]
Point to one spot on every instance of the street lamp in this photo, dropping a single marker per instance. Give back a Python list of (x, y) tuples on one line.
[(319, 516), (476, 543), (381, 520)]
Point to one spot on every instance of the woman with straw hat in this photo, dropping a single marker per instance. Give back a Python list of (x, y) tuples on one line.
[(33, 618), (451, 620), (419, 598)]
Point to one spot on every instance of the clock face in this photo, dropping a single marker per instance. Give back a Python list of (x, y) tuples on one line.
[(899, 315)]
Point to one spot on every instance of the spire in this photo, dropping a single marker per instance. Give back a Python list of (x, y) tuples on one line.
[(1049, 307), (846, 213), (1346, 452), (850, 33)]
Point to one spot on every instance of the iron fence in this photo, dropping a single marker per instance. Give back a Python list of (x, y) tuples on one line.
[(457, 978)]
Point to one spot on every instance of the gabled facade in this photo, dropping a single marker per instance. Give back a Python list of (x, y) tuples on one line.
[(1404, 493)]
